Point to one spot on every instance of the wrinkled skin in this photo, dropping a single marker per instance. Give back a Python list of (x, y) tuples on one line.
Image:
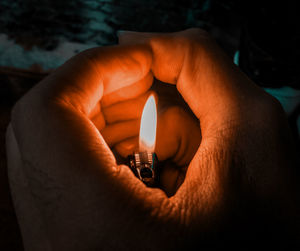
[(238, 183)]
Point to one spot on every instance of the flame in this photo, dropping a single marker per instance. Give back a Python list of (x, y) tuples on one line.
[(148, 126)]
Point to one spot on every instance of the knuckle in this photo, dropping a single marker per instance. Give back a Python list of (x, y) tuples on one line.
[(197, 32), (194, 36), (172, 119)]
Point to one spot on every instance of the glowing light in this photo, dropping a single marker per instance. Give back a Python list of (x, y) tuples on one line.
[(148, 126)]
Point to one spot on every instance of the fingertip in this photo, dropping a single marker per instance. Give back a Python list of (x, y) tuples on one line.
[(118, 132), (127, 147)]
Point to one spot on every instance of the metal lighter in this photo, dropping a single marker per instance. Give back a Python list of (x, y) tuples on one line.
[(144, 163), (145, 166)]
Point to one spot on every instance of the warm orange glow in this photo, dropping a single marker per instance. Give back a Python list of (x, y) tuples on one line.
[(148, 126)]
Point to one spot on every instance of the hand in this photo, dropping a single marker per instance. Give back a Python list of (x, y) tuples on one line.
[(87, 201), (243, 129)]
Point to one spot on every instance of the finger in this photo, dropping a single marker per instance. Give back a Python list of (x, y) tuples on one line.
[(168, 53), (178, 136), (128, 146), (114, 113), (99, 121), (118, 132), (69, 95), (127, 110), (128, 92), (82, 81)]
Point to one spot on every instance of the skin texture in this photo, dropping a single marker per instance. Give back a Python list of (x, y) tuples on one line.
[(238, 185)]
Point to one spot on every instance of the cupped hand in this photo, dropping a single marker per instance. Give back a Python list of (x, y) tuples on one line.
[(87, 201), (79, 197), (246, 160)]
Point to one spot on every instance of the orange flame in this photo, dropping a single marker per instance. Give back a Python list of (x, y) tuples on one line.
[(148, 126)]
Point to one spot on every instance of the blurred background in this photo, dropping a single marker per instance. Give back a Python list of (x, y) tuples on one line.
[(37, 36)]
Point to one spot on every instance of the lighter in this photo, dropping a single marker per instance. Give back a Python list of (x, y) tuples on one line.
[(144, 163), (145, 166)]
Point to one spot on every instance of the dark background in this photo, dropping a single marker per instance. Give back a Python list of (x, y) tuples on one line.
[(262, 38)]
